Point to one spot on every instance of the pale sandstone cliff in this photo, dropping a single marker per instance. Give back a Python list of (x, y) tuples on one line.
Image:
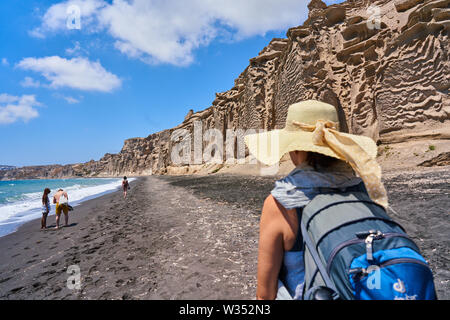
[(385, 68)]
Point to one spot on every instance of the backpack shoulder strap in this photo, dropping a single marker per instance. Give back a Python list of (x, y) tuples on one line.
[(315, 255)]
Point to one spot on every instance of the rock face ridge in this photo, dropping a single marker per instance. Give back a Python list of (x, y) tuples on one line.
[(383, 64)]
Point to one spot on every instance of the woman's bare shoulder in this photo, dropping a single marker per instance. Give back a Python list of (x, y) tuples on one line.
[(280, 220), (271, 205), (273, 210)]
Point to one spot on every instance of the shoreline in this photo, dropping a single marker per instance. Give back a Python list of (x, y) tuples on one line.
[(16, 225), (29, 237), (27, 226), (70, 177)]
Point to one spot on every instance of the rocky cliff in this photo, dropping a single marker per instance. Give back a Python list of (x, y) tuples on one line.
[(383, 64), (39, 172)]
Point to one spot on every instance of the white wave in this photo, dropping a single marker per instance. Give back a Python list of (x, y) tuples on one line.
[(30, 204)]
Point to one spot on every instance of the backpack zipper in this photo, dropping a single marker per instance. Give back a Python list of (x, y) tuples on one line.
[(359, 273), (355, 241)]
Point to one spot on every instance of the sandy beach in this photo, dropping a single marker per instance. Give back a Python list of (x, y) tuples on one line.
[(189, 237)]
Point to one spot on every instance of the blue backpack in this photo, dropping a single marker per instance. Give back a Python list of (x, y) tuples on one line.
[(353, 250)]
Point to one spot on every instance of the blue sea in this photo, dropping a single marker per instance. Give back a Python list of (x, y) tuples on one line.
[(21, 200)]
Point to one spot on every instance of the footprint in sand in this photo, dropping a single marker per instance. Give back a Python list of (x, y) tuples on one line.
[(15, 290), (115, 238), (105, 295), (72, 260), (47, 273), (124, 269), (5, 279), (98, 281), (91, 250), (119, 283), (93, 269)]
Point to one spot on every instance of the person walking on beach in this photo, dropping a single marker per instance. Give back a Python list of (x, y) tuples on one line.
[(321, 155), (62, 204), (125, 186), (45, 208)]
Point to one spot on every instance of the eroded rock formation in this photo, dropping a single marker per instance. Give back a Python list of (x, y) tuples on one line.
[(384, 65)]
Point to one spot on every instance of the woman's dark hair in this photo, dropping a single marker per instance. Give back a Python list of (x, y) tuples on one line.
[(125, 178), (44, 197), (316, 160)]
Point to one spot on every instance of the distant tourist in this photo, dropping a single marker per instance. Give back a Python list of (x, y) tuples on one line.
[(45, 208), (125, 186), (62, 204)]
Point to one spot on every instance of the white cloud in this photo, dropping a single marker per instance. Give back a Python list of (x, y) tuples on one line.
[(77, 73), (14, 108), (29, 82), (71, 100), (5, 62), (256, 17), (75, 50), (55, 18), (169, 31), (6, 98)]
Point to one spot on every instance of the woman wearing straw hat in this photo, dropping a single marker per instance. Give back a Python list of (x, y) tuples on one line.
[(325, 159)]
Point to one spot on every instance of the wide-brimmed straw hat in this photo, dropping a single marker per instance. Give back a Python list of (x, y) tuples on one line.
[(314, 126), (268, 147)]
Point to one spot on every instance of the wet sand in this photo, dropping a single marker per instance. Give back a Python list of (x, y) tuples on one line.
[(189, 237)]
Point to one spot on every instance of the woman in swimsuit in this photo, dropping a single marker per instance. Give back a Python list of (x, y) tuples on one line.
[(45, 208), (125, 187)]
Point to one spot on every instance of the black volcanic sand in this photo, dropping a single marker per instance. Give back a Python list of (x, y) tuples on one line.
[(163, 242), (189, 237)]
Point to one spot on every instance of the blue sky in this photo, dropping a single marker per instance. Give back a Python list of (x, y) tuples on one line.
[(69, 94)]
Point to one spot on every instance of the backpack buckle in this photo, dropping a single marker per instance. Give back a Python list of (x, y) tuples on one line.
[(372, 235), (357, 273)]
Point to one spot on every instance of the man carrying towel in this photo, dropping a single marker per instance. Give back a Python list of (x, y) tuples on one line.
[(62, 204)]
